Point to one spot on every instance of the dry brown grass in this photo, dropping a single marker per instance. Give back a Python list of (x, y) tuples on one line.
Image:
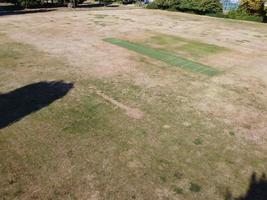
[(197, 137)]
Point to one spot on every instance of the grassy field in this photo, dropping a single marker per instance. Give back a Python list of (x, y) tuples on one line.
[(81, 118)]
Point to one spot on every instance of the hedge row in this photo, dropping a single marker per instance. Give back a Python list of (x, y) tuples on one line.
[(251, 10), (196, 6)]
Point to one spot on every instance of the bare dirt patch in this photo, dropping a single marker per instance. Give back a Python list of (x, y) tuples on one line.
[(131, 112)]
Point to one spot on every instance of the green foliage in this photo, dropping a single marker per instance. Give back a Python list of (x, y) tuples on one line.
[(254, 10), (196, 6), (211, 6), (152, 5), (242, 14), (28, 3), (239, 14), (250, 10), (253, 6), (165, 4)]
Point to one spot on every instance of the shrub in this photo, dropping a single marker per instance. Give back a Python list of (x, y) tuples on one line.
[(189, 5), (196, 6), (242, 14), (201, 6), (251, 10), (28, 3), (152, 5), (165, 4), (211, 6), (239, 15)]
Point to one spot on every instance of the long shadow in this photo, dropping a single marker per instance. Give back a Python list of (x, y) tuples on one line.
[(96, 5), (21, 12), (23, 101), (90, 5), (257, 189)]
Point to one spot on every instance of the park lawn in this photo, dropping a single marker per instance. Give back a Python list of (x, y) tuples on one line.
[(118, 138)]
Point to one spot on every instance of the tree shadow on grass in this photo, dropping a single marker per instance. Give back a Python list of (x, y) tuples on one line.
[(257, 189), (96, 5), (23, 101), (21, 12)]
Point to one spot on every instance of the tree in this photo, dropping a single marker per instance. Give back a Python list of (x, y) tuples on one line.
[(253, 6)]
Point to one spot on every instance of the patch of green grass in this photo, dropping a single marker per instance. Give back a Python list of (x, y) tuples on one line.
[(86, 116), (178, 190), (130, 92), (9, 51), (198, 141), (194, 187), (164, 56), (201, 48), (163, 179), (179, 44), (232, 133), (166, 40)]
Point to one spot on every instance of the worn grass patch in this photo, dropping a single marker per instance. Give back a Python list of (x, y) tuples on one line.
[(165, 57), (10, 52)]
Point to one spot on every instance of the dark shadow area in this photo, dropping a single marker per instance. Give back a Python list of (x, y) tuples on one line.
[(19, 11), (12, 9), (96, 5), (112, 5), (257, 189), (23, 101), (8, 6), (90, 5)]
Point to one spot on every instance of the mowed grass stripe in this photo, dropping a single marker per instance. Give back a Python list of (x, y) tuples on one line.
[(165, 57)]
